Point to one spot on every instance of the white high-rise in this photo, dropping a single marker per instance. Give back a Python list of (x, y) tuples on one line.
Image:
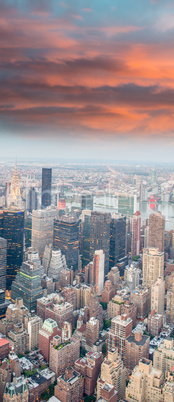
[(153, 265), (157, 296), (42, 228), (99, 266)]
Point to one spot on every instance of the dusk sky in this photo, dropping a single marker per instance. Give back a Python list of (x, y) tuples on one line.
[(89, 79)]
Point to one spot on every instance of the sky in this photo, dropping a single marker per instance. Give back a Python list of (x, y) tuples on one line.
[(87, 79)]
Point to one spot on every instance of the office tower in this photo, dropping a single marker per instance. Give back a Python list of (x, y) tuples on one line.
[(153, 177), (95, 236), (28, 230), (16, 391), (32, 201), (99, 265), (46, 187), (157, 296), (92, 332), (48, 330), (136, 347), (62, 355), (69, 386), (145, 383), (27, 285), (87, 201), (141, 297), (157, 231), (54, 262), (170, 304), (132, 276), (15, 199), (155, 323), (42, 229), (34, 325), (3, 263), (153, 265), (89, 367), (13, 232), (66, 238), (61, 204), (82, 294), (112, 372), (121, 328), (117, 239), (95, 309), (136, 226)]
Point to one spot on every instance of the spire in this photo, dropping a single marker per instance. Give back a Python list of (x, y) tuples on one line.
[(15, 192)]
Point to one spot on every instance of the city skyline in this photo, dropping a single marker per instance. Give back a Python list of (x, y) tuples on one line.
[(87, 79)]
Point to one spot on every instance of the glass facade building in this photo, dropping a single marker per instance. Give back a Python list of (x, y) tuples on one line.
[(46, 187), (12, 229), (66, 238), (3, 263), (117, 240), (27, 285), (95, 236)]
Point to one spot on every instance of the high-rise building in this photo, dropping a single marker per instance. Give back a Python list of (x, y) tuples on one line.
[(54, 262), (99, 266), (136, 226), (16, 391), (121, 328), (3, 263), (157, 231), (95, 235), (157, 296), (63, 354), (89, 366), (117, 239), (42, 228), (170, 304), (145, 383), (46, 187), (69, 386), (46, 333), (132, 276), (13, 232), (32, 201), (92, 331), (112, 372), (136, 347), (155, 323), (34, 325), (153, 265), (27, 285), (87, 201), (15, 199), (141, 297), (66, 238), (163, 357)]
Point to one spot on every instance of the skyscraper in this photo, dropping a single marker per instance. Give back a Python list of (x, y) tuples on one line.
[(99, 265), (95, 235), (157, 231), (46, 187), (3, 263), (27, 285), (136, 226), (153, 265), (42, 228), (32, 201), (13, 232), (117, 239), (66, 238)]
